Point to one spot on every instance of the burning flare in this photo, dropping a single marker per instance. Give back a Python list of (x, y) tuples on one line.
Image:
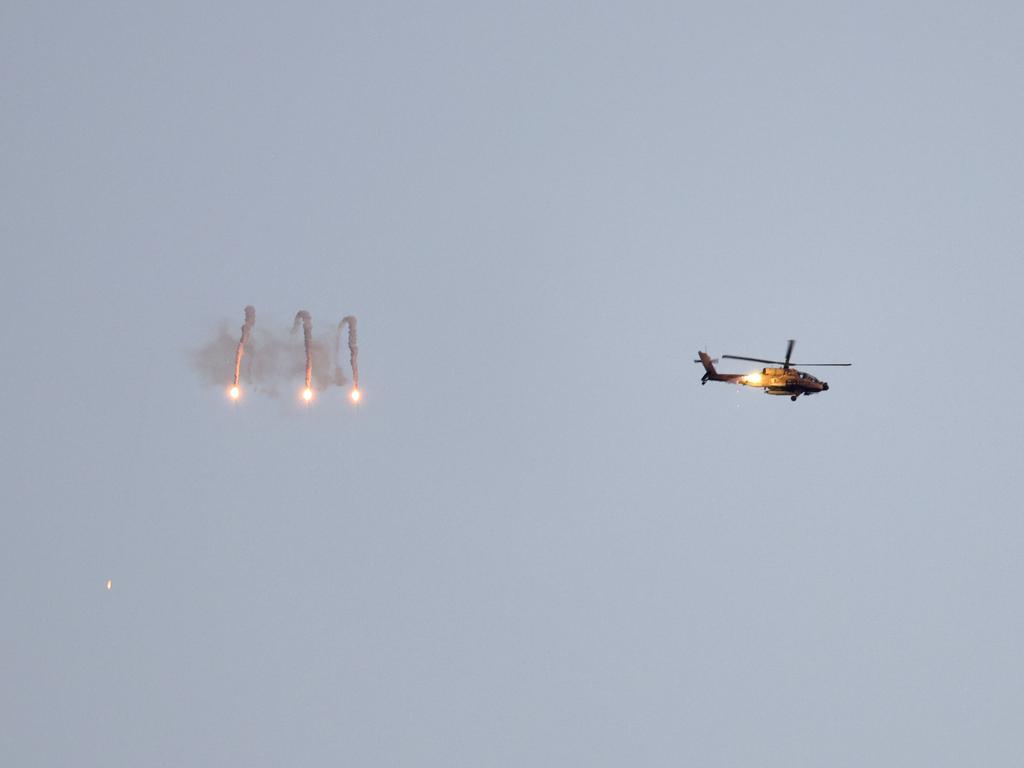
[(250, 321), (353, 354), (307, 336), (234, 392)]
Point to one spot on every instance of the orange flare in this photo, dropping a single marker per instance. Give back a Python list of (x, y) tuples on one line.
[(307, 394), (356, 395), (234, 392)]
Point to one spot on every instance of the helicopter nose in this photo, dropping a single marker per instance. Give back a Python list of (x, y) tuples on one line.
[(824, 386)]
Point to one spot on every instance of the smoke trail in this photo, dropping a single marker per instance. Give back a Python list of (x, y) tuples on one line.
[(265, 356), (307, 336), (250, 321), (353, 347)]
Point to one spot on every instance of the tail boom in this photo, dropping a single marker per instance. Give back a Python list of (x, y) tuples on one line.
[(710, 374)]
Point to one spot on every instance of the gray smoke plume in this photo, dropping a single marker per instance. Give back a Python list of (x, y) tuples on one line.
[(302, 316), (353, 351), (270, 365), (250, 321)]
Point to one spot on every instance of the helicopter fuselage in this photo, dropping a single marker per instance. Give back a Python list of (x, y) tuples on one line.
[(784, 381)]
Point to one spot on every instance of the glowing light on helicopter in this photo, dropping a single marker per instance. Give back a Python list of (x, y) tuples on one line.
[(356, 395), (752, 378)]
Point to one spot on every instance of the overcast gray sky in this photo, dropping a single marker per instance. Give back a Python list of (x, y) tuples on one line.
[(539, 542)]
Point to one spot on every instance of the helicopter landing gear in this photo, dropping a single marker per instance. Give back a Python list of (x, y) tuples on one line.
[(793, 397)]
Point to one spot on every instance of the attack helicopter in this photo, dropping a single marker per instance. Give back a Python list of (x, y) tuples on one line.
[(786, 380)]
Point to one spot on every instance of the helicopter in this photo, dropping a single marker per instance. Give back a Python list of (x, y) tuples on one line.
[(786, 380)]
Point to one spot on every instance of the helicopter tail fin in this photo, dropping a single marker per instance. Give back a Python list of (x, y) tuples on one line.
[(709, 367), (710, 374)]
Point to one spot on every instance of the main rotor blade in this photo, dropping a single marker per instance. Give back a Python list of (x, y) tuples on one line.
[(752, 359), (791, 365), (789, 352)]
